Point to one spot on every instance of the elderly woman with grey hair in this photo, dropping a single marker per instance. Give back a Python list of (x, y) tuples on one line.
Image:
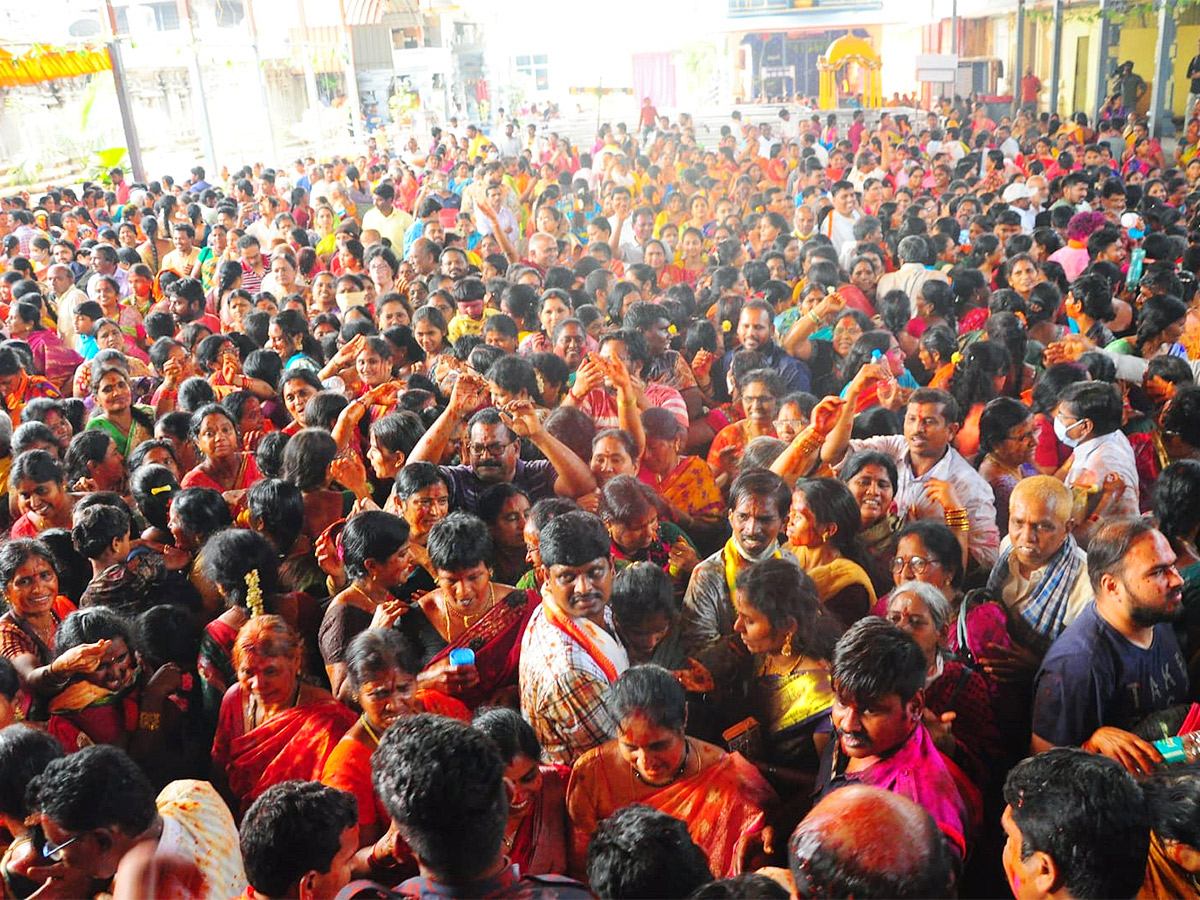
[(958, 702)]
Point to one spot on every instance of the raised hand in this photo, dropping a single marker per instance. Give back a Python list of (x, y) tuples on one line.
[(588, 376), (521, 417), (943, 493), (826, 414), (388, 613), (172, 373), (695, 678), (702, 363), (231, 368), (348, 470), (469, 393), (683, 557), (83, 658)]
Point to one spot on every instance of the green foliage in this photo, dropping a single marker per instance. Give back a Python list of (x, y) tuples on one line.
[(100, 161)]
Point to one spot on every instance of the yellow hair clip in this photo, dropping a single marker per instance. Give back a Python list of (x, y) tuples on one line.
[(161, 489)]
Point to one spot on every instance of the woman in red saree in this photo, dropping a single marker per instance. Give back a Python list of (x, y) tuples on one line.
[(228, 563), (535, 837), (272, 727), (721, 796), (381, 674), (226, 468), (468, 611)]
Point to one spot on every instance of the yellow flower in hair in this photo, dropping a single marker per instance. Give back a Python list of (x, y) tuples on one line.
[(254, 597), (727, 326), (671, 329), (956, 357)]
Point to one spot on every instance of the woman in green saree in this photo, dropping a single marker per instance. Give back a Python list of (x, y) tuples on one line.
[(126, 423)]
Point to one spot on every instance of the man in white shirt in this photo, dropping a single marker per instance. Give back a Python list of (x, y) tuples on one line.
[(504, 216), (1020, 200), (104, 262), (634, 240), (1006, 143), (915, 269), (509, 145), (839, 224), (927, 464), (808, 139), (67, 298), (1088, 418), (865, 166), (787, 128)]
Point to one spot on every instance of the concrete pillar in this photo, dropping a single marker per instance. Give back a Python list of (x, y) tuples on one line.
[(198, 99), (1056, 58), (1019, 63), (132, 145), (1162, 123), (1106, 39)]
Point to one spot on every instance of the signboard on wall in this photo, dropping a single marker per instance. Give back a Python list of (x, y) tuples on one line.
[(937, 68)]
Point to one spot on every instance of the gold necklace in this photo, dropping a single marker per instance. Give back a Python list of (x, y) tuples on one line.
[(367, 727), (466, 620), (371, 600), (1014, 471)]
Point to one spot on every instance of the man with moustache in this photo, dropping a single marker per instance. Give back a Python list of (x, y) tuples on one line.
[(570, 655), (492, 450), (1119, 661), (1041, 576), (878, 679), (758, 509)]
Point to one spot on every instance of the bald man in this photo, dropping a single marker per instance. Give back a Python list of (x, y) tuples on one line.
[(1041, 575), (866, 842)]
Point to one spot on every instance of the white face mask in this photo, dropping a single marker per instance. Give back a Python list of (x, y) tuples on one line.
[(1062, 432)]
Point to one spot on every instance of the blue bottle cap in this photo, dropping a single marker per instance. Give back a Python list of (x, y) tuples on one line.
[(462, 656)]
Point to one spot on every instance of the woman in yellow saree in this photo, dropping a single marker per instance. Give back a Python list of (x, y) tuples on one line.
[(822, 530)]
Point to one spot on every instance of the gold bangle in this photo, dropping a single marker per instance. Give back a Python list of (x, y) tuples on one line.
[(148, 721)]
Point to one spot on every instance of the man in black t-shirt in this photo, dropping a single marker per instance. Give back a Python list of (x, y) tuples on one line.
[(1119, 661), (1193, 76)]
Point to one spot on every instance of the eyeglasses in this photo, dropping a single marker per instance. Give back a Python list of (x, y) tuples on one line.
[(55, 853), (918, 564), (494, 449)]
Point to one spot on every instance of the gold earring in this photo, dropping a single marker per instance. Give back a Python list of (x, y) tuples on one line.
[(787, 645)]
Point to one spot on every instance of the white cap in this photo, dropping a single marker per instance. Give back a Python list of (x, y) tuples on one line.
[(1016, 191)]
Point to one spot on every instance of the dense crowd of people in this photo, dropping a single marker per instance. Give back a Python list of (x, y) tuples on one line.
[(806, 514)]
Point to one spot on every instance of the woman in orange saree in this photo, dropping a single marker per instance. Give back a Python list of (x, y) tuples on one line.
[(721, 796), (272, 727), (381, 674)]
